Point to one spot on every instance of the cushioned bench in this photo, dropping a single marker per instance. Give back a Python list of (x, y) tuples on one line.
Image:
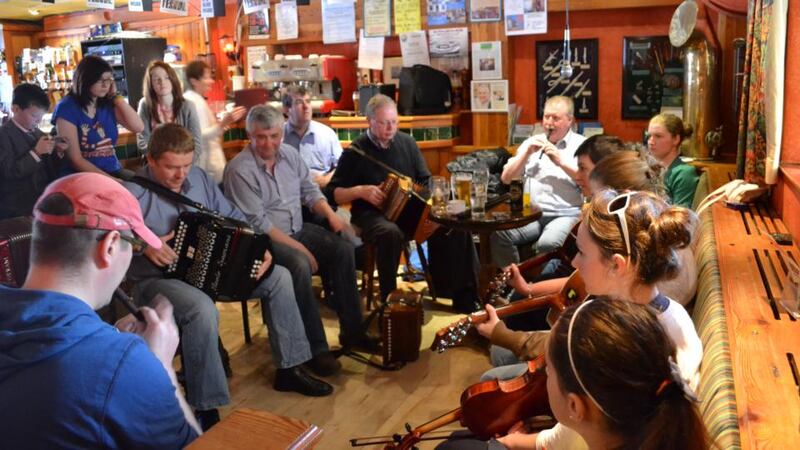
[(716, 390)]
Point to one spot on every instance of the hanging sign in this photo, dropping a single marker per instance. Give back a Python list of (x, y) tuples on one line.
[(102, 4), (212, 8), (140, 5), (177, 7)]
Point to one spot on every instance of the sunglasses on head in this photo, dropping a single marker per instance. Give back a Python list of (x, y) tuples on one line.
[(617, 207)]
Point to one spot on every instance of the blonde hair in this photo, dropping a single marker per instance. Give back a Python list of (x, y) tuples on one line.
[(673, 124), (629, 171)]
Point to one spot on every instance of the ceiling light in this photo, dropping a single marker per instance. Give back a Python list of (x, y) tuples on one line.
[(33, 12)]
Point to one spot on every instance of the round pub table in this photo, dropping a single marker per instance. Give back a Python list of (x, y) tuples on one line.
[(496, 219)]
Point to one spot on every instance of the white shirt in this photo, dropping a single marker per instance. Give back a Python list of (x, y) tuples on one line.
[(319, 146), (212, 158), (549, 186), (688, 354)]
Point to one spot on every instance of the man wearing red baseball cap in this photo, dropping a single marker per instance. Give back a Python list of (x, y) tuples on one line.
[(81, 382)]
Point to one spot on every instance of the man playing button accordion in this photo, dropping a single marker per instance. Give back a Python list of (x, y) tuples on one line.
[(169, 159)]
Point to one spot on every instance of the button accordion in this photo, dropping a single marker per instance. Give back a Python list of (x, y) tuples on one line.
[(218, 255), (401, 328), (15, 247), (405, 207)]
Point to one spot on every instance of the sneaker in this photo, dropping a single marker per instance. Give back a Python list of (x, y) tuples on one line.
[(296, 379), (324, 365)]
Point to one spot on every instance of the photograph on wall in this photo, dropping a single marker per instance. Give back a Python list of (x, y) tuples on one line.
[(490, 96), (485, 10), (391, 70), (178, 7), (581, 86), (487, 60), (525, 17), (446, 12), (258, 24), (652, 76), (251, 6)]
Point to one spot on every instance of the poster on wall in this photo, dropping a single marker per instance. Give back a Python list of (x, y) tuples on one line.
[(377, 18), (258, 24), (490, 96), (484, 10), (414, 49), (140, 5), (370, 51), (177, 7), (286, 20), (581, 86), (103, 4), (446, 12), (407, 16), (487, 60), (652, 76), (338, 22), (525, 17)]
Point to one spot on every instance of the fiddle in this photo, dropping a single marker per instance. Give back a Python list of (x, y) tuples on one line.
[(572, 292), (488, 409)]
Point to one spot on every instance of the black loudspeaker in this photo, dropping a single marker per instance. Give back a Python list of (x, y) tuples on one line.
[(424, 90)]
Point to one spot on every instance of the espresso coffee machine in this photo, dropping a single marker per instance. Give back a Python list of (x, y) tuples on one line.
[(329, 79)]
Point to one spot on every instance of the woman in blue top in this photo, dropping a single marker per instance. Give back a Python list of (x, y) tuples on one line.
[(88, 118), (664, 136)]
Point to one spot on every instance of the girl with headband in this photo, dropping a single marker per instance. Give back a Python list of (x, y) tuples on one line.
[(627, 243)]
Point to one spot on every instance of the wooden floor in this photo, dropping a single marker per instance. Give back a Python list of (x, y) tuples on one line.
[(366, 401)]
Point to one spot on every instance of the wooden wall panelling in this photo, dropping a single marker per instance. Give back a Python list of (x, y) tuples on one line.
[(16, 37), (728, 28)]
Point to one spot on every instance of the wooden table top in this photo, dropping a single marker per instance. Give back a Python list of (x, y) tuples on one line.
[(490, 222), (246, 429)]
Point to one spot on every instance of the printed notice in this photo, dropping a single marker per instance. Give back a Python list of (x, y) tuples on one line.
[(370, 52), (286, 20), (377, 18), (177, 7), (414, 48), (104, 4), (407, 16), (338, 22)]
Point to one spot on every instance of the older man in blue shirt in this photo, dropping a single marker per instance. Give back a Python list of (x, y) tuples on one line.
[(169, 160), (270, 182)]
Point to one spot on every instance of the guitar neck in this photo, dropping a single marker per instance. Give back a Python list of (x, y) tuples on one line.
[(515, 308)]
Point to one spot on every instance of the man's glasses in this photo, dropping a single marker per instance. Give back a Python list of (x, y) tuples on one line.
[(137, 244), (617, 207)]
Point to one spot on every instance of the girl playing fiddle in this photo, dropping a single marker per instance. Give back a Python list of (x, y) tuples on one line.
[(612, 378), (627, 243)]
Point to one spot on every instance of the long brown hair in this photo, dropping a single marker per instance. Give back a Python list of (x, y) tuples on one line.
[(149, 93), (673, 124), (621, 356), (656, 232), (629, 171)]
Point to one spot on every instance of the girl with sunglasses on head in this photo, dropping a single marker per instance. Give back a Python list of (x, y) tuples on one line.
[(612, 378), (163, 102), (88, 116), (627, 244)]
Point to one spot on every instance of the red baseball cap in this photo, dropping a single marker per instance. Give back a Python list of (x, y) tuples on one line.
[(100, 203)]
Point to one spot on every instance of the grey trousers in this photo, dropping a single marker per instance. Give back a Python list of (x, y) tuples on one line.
[(198, 319), (548, 233)]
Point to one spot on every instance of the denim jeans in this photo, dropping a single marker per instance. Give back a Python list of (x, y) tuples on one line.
[(548, 233), (198, 319)]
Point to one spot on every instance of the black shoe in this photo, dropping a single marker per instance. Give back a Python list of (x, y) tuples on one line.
[(362, 342), (207, 418), (296, 379), (324, 365)]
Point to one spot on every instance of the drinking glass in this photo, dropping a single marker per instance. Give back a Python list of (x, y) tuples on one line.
[(439, 195), (480, 190), (461, 184)]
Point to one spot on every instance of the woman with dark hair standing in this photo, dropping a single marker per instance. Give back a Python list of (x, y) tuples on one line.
[(198, 75), (162, 102), (612, 377), (87, 117), (664, 136)]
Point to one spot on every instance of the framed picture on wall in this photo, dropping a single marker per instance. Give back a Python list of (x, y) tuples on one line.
[(581, 86), (485, 10), (490, 96), (652, 76)]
